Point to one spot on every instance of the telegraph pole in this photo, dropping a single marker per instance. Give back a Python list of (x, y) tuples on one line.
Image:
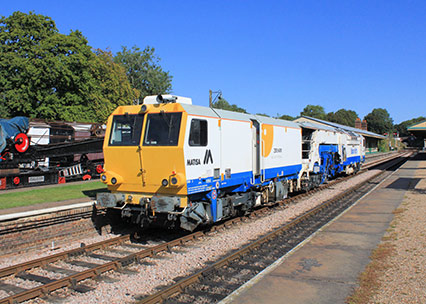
[(217, 96)]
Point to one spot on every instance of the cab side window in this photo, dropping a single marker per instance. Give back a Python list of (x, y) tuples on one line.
[(198, 133)]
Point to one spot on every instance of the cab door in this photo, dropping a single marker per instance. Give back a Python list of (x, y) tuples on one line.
[(202, 153), (255, 147)]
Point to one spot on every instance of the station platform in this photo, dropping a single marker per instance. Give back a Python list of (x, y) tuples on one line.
[(325, 268)]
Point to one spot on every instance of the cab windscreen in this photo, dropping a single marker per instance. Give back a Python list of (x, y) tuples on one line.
[(126, 130), (162, 129)]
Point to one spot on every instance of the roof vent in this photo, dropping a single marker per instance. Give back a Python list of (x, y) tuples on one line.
[(166, 99)]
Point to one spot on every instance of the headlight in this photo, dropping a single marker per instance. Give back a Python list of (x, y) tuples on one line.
[(176, 180), (111, 178), (164, 182)]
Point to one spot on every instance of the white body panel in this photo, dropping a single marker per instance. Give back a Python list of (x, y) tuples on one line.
[(236, 146), (354, 145), (286, 148)]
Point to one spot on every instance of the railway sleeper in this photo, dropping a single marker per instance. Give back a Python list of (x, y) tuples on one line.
[(206, 294), (34, 277), (102, 257), (60, 270), (83, 264), (10, 288)]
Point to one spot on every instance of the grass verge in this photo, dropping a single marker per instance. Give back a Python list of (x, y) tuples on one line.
[(51, 194)]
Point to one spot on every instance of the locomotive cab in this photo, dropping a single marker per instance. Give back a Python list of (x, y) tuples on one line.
[(143, 152)]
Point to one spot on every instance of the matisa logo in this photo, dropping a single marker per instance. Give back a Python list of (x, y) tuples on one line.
[(193, 162), (208, 157)]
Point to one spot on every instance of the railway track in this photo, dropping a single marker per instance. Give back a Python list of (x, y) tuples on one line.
[(115, 253), (10, 226)]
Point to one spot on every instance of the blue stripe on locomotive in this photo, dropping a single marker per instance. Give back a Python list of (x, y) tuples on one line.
[(238, 182), (241, 182)]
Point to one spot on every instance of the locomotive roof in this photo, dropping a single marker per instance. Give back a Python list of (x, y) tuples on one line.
[(219, 113), (275, 121), (346, 128), (310, 125)]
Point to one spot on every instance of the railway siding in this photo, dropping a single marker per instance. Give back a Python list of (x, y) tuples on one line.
[(35, 232)]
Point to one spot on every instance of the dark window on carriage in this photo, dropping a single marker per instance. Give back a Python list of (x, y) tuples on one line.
[(162, 129), (198, 133), (126, 130)]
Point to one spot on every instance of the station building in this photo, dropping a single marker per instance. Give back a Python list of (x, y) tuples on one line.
[(371, 139), (419, 131)]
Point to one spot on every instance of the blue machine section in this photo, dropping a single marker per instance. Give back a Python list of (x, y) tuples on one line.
[(330, 160), (12, 127), (352, 160), (242, 181)]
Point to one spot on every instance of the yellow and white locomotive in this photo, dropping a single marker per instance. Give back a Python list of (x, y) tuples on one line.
[(170, 162)]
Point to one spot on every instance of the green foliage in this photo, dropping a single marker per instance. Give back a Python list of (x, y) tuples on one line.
[(263, 114), (383, 145), (48, 75), (43, 73), (379, 121), (314, 111), (221, 103), (402, 127), (285, 117), (113, 87), (343, 117), (144, 72)]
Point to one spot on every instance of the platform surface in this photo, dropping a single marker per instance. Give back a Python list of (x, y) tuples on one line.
[(326, 268)]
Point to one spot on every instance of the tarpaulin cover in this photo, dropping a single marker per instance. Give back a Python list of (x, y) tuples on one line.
[(9, 128)]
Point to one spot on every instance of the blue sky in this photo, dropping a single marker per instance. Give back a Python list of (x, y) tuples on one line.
[(268, 56)]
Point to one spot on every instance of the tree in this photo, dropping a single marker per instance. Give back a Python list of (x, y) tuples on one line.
[(221, 103), (285, 117), (45, 74), (144, 71), (402, 127), (40, 73), (343, 117), (314, 111), (114, 88), (263, 114), (379, 121)]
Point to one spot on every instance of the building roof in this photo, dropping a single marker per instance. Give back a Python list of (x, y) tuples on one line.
[(418, 126), (418, 129), (339, 126)]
